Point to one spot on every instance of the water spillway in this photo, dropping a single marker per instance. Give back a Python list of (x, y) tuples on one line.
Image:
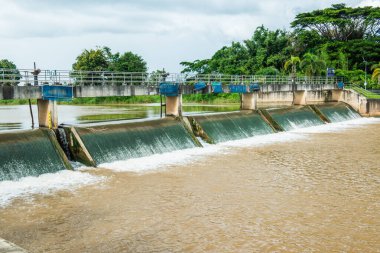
[(29, 153), (337, 112), (231, 126), (115, 142), (290, 118)]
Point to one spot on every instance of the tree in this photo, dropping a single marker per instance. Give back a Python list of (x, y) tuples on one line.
[(230, 60), (341, 22), (376, 72), (293, 62), (127, 62), (92, 60), (267, 48), (98, 62), (268, 71), (102, 59), (158, 76), (312, 65), (196, 67), (9, 74)]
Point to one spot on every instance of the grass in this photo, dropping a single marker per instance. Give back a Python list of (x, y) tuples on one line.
[(365, 93), (225, 98)]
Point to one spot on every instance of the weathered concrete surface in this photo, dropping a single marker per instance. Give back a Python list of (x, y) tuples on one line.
[(47, 113), (373, 106), (356, 101), (300, 97), (273, 98), (114, 90), (20, 92), (8, 247), (249, 101), (174, 106), (34, 92)]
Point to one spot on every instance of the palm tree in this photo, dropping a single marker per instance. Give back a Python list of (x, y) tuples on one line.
[(292, 62), (376, 72), (312, 64)]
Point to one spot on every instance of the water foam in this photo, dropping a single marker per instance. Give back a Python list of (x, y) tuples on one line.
[(45, 184), (187, 156)]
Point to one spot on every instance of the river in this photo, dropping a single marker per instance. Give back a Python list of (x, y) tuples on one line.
[(16, 117), (309, 190)]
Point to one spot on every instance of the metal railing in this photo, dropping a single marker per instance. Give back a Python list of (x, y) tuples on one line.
[(27, 77)]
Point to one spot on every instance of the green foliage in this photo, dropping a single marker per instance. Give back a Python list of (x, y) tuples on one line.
[(9, 75), (341, 22), (312, 65), (268, 71), (92, 60), (102, 59), (127, 62), (230, 60), (268, 49), (340, 37), (197, 67), (352, 76), (292, 63), (265, 49)]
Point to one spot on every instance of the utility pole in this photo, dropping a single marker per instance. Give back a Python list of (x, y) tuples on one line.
[(365, 74)]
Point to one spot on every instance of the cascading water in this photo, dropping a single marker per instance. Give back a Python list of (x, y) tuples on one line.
[(62, 139), (337, 112), (232, 126), (110, 143), (295, 117), (28, 153)]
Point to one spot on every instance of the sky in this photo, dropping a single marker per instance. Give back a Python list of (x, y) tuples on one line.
[(53, 33)]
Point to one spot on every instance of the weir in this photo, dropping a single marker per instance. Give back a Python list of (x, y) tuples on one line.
[(35, 152), (290, 118), (114, 142), (337, 112), (229, 126), (30, 153)]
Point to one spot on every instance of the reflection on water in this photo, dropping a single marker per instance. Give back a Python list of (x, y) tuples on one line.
[(18, 117), (10, 126)]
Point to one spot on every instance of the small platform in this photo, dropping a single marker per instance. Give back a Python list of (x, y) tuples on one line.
[(8, 247)]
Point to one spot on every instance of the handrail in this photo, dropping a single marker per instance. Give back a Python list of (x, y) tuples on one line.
[(27, 77)]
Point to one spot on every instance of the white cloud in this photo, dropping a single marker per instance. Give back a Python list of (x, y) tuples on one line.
[(374, 3), (164, 32)]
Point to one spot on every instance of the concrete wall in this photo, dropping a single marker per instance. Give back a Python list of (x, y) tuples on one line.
[(373, 107), (249, 101), (356, 101), (34, 92), (273, 98), (20, 92), (111, 91)]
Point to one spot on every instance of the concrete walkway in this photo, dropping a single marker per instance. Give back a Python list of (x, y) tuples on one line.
[(8, 247)]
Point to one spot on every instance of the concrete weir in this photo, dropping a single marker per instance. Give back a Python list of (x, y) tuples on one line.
[(30, 153), (108, 143), (8, 247)]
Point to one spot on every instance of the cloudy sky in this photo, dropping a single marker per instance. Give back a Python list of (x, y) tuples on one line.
[(164, 32)]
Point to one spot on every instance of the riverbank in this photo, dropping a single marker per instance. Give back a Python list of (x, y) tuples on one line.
[(194, 98)]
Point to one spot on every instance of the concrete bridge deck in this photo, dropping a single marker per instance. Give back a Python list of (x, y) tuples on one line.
[(35, 92)]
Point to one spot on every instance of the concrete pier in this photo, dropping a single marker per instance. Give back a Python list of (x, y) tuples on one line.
[(299, 97), (249, 101), (174, 106), (47, 113)]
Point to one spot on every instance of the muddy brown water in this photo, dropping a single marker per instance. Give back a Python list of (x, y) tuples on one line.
[(319, 194)]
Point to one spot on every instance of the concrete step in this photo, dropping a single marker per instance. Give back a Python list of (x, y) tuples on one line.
[(8, 247)]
